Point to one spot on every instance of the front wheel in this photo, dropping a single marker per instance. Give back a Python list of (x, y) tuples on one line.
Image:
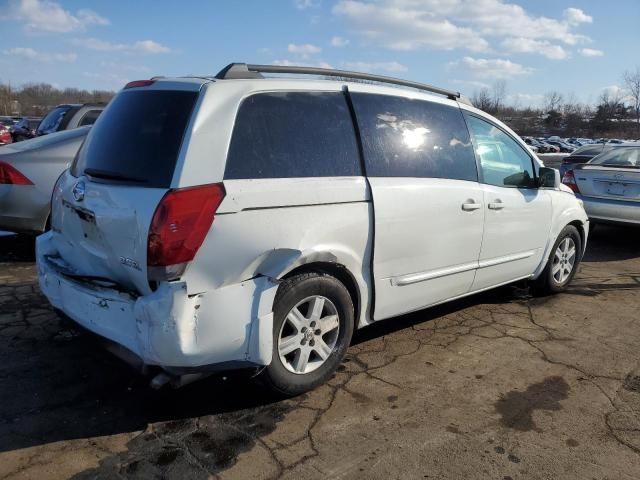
[(563, 262), (312, 329)]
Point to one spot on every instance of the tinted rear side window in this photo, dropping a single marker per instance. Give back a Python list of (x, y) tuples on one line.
[(52, 121), (293, 134), (413, 138), (138, 137)]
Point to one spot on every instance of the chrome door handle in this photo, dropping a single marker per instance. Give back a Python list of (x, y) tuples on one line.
[(471, 205), (497, 205)]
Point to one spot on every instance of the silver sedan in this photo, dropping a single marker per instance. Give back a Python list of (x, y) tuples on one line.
[(609, 185), (28, 173)]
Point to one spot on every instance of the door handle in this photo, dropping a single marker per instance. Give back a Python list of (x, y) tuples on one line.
[(496, 205), (471, 205)]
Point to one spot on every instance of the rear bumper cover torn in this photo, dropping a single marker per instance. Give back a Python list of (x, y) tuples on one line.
[(169, 327)]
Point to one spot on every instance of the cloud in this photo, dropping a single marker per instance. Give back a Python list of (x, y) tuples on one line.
[(304, 4), (292, 63), (339, 42), (43, 57), (305, 49), (471, 83), (491, 68), (393, 67), (457, 24), (530, 45), (590, 52), (614, 91), (149, 46), (142, 46), (525, 99), (575, 16), (406, 27), (49, 16)]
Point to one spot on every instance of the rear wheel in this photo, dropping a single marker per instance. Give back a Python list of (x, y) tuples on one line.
[(312, 329), (563, 262)]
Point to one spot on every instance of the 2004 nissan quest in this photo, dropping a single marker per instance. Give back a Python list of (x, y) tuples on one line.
[(246, 221)]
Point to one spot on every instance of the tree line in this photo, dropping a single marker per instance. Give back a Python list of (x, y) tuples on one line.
[(35, 99), (616, 113)]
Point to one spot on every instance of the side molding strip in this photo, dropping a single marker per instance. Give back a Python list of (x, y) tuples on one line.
[(443, 272)]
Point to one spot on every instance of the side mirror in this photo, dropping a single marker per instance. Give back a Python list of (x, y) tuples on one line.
[(548, 178)]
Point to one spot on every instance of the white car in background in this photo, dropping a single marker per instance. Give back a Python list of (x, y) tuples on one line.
[(241, 221)]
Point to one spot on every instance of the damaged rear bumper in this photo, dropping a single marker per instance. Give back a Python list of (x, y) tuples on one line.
[(169, 328)]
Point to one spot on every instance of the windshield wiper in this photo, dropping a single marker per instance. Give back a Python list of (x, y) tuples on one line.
[(94, 172)]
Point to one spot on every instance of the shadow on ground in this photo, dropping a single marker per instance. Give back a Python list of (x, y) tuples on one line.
[(17, 248), (58, 385), (609, 243)]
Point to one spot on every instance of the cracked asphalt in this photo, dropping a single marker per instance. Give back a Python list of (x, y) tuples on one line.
[(500, 385)]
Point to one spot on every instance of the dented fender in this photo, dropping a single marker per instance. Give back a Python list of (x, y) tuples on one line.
[(170, 327), (232, 323)]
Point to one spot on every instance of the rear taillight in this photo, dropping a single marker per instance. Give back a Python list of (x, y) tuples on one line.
[(178, 228), (5, 136), (569, 179), (9, 175)]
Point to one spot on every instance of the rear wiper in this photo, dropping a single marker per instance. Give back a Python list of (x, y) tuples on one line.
[(94, 172)]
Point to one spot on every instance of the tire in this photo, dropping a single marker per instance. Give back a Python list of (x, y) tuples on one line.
[(554, 279), (297, 335)]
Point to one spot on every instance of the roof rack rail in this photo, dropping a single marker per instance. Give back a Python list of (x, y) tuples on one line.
[(244, 70)]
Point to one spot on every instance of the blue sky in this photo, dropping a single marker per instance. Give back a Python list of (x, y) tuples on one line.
[(578, 46)]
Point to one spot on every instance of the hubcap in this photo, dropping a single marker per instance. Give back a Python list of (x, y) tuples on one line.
[(308, 334), (563, 260)]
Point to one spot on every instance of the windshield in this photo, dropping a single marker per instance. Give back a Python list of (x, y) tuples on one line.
[(52, 120), (619, 157), (138, 137)]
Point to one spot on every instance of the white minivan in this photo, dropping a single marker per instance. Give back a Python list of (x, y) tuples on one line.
[(212, 223)]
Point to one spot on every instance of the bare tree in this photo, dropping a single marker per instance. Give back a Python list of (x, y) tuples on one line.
[(631, 81), (552, 101), (499, 91), (6, 96), (482, 99)]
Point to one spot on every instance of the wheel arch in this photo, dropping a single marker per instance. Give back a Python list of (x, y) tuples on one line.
[(580, 226), (338, 271)]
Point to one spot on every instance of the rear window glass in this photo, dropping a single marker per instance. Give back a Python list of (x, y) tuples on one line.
[(293, 134), (138, 137), (52, 120), (624, 157), (413, 138), (588, 150)]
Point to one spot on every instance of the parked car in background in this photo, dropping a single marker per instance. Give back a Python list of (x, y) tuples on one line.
[(609, 185), (548, 148), (68, 117), (8, 121), (540, 146), (28, 171), (216, 223), (586, 153), (562, 146), (5, 135), (24, 129)]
